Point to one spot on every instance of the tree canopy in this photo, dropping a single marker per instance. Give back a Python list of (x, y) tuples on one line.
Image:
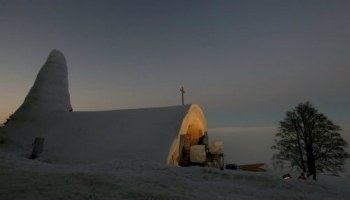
[(310, 141)]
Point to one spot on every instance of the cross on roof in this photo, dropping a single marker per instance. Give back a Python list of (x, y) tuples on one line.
[(182, 90)]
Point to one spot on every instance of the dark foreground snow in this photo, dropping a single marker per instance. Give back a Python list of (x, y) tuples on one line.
[(21, 178)]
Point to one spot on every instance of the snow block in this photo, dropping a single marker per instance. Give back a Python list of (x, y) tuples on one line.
[(198, 154), (215, 147)]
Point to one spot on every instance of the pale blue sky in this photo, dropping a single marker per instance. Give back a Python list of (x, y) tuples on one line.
[(244, 62)]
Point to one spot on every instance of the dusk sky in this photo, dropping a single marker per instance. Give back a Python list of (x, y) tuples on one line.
[(244, 62)]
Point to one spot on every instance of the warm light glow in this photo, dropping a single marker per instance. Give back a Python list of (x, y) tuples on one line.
[(193, 127), (193, 134)]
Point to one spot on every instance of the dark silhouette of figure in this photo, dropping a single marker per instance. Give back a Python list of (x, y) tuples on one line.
[(302, 176)]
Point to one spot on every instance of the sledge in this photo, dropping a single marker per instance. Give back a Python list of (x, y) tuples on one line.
[(256, 167)]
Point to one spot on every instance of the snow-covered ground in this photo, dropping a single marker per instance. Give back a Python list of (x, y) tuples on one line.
[(21, 178)]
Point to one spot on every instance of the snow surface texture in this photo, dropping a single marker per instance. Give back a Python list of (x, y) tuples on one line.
[(92, 137), (21, 178), (50, 90)]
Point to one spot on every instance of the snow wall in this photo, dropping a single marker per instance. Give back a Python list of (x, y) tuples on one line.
[(146, 134), (92, 137)]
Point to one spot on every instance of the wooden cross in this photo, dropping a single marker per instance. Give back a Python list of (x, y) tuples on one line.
[(182, 90)]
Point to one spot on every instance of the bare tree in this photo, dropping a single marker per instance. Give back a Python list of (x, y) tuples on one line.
[(308, 140)]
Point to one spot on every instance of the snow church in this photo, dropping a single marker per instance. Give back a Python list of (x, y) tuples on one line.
[(154, 134)]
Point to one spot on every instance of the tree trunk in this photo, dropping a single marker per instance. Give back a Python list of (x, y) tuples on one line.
[(311, 164), (301, 156), (312, 170), (299, 132)]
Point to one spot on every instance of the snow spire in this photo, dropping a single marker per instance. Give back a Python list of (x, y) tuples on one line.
[(50, 90)]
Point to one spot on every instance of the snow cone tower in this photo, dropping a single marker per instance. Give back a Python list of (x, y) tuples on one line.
[(50, 90)]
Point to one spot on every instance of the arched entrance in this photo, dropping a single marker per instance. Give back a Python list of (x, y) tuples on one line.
[(194, 133), (193, 127)]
